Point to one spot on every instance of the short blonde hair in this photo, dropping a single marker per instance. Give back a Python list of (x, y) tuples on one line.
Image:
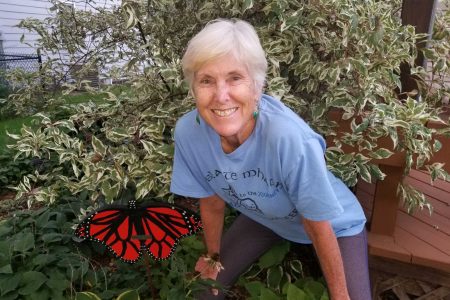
[(223, 37)]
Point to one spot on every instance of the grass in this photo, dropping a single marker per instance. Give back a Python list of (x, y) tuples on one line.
[(12, 125), (83, 97)]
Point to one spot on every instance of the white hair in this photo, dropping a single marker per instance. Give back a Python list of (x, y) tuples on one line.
[(223, 37)]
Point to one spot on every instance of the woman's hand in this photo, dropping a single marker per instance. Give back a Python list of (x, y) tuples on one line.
[(209, 267)]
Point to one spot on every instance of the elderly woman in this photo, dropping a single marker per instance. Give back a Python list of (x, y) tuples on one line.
[(246, 149)]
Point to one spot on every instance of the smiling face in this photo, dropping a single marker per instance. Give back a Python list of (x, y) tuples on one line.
[(226, 98)]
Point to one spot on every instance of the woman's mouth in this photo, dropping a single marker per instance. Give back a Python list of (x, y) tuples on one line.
[(224, 112)]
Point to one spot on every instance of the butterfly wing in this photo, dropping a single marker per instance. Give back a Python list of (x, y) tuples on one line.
[(80, 231), (165, 226), (116, 229)]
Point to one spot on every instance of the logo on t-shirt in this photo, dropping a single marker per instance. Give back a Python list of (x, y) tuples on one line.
[(260, 200), (237, 202)]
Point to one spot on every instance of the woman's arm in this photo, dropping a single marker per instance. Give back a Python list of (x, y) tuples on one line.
[(212, 213), (325, 243)]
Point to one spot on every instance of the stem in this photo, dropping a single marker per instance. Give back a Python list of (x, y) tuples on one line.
[(144, 39), (149, 276)]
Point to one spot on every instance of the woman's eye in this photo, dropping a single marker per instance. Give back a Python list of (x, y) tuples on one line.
[(205, 81), (234, 80)]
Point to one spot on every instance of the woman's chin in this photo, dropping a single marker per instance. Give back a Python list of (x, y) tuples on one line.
[(226, 132)]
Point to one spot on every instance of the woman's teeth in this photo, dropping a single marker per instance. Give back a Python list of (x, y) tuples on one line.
[(224, 112)]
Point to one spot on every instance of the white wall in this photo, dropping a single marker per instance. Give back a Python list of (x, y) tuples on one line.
[(13, 11)]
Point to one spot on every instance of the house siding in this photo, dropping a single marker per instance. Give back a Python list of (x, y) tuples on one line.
[(11, 13)]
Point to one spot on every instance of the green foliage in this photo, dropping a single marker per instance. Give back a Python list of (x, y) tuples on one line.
[(323, 56), (40, 259), (5, 90), (27, 269), (279, 275), (11, 172), (12, 125)]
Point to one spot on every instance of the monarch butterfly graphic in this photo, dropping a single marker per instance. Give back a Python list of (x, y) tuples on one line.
[(128, 231)]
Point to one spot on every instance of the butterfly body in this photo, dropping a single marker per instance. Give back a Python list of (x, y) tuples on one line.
[(129, 231)]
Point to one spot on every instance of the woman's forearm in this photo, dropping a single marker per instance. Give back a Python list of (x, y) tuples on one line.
[(327, 249), (212, 214)]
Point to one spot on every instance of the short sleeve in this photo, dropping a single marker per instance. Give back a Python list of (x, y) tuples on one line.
[(186, 178), (308, 183)]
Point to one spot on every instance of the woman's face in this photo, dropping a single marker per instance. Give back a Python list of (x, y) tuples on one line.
[(226, 98)]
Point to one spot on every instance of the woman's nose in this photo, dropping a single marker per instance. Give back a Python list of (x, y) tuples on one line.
[(222, 92)]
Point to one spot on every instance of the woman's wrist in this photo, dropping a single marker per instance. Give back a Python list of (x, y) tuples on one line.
[(213, 260), (215, 256)]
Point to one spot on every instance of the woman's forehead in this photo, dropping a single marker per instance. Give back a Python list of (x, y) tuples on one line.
[(222, 65)]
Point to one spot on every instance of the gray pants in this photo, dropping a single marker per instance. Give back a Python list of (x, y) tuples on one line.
[(246, 240)]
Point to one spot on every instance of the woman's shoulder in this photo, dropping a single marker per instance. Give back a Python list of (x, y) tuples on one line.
[(186, 125), (280, 122)]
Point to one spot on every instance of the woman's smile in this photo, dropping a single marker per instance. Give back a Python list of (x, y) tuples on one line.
[(224, 112)]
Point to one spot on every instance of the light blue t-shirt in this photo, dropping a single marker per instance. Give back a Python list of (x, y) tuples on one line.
[(277, 175)]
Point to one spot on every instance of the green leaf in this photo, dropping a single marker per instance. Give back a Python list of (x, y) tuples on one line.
[(325, 296), (7, 269), (129, 295), (274, 275), (247, 5), (364, 172), (131, 17), (295, 293), (42, 294), (437, 146), (143, 187), (318, 110), (23, 242), (381, 153), (87, 296), (376, 172), (57, 281), (31, 281), (51, 237), (297, 266), (274, 256), (98, 146), (5, 252), (360, 127), (314, 289), (9, 283), (14, 295), (254, 288), (267, 294), (176, 294), (110, 192), (253, 272)]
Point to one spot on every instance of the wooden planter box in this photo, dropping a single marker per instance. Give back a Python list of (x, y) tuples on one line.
[(393, 233)]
